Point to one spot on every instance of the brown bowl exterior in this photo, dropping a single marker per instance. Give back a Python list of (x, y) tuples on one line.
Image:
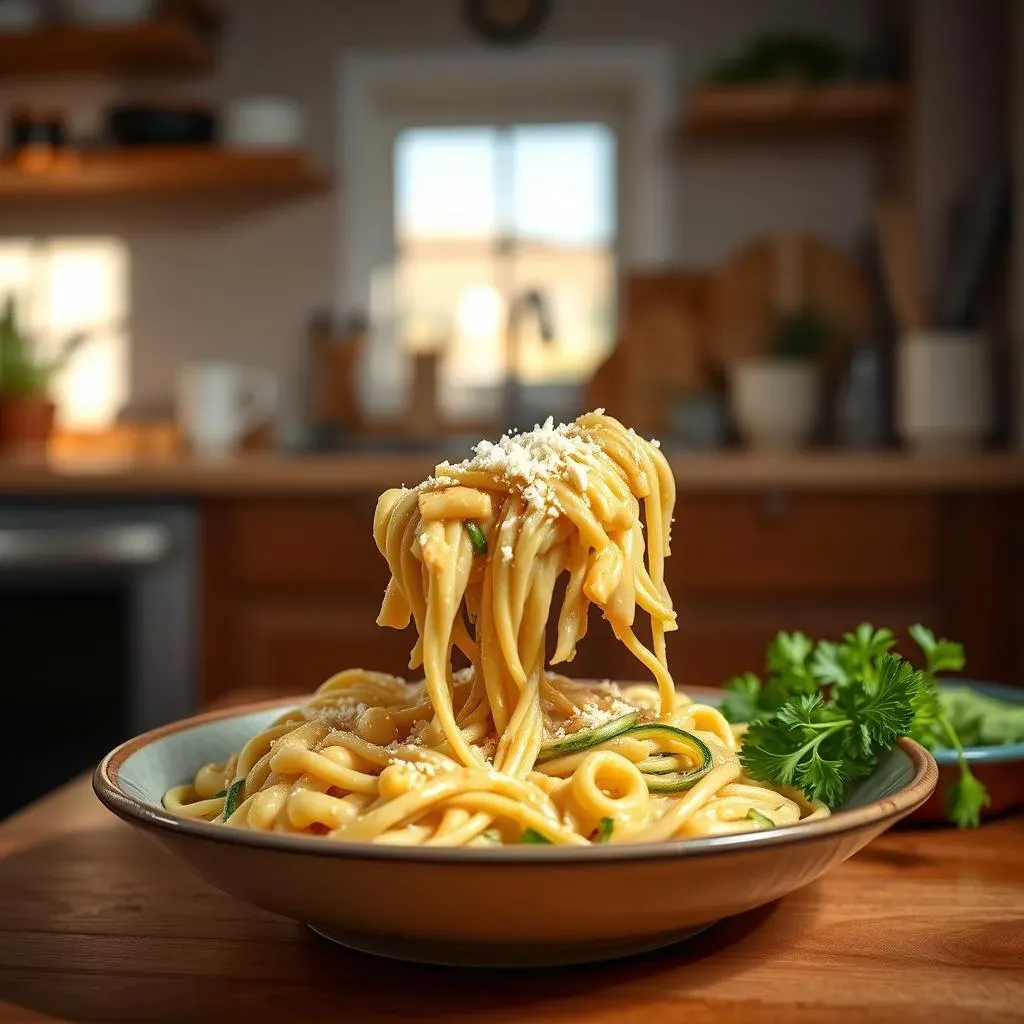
[(514, 906)]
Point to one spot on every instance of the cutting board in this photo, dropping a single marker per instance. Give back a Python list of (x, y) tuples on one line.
[(662, 349), (779, 273)]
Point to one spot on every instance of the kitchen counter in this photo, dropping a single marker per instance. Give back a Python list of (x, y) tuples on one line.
[(358, 473), (99, 923)]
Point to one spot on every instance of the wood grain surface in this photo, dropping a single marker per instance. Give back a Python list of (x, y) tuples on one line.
[(99, 924)]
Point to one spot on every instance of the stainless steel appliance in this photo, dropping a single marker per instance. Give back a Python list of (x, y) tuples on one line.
[(98, 630)]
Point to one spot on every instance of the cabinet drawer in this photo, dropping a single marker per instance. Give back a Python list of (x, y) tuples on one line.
[(800, 543), (309, 544)]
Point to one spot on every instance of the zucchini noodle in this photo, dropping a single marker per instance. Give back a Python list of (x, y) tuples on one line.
[(506, 751)]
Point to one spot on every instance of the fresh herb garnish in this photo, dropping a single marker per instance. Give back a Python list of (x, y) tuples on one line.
[(827, 713), (603, 832), (233, 798), (531, 835), (217, 796), (476, 538), (967, 797), (761, 819)]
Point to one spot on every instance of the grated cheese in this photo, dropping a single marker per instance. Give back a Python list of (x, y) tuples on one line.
[(506, 552), (590, 716), (534, 459), (344, 714)]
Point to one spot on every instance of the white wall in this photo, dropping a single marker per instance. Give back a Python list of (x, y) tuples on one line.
[(243, 290)]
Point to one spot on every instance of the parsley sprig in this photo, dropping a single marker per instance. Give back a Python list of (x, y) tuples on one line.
[(827, 713)]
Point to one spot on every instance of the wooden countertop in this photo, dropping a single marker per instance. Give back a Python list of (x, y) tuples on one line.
[(342, 474), (98, 923)]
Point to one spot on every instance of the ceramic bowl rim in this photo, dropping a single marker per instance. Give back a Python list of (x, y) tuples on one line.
[(106, 784)]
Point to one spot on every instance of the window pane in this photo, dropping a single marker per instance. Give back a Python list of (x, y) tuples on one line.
[(67, 285), (564, 183), (452, 306), (445, 183), (579, 285)]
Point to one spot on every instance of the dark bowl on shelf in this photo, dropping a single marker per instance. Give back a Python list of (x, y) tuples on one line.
[(145, 124)]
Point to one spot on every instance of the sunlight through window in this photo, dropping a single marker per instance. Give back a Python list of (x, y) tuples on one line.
[(64, 286)]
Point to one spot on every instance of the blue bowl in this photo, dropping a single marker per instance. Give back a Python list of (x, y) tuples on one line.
[(992, 754), (1000, 768)]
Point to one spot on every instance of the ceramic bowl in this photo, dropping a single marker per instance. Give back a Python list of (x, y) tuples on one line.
[(525, 906), (1000, 769)]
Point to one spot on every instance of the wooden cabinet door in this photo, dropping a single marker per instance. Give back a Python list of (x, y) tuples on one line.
[(292, 646)]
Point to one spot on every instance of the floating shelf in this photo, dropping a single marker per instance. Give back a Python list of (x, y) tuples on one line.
[(164, 170), (166, 45), (774, 110)]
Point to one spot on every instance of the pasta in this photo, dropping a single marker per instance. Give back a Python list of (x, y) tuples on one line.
[(505, 750)]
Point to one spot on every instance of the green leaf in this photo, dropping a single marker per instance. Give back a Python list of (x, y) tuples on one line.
[(531, 835), (742, 698), (788, 653), (822, 779), (603, 832), (771, 753), (476, 538), (761, 819), (965, 799), (233, 798), (940, 655), (217, 796), (885, 711), (829, 664), (864, 647)]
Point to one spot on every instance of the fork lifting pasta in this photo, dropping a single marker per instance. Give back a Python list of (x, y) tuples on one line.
[(506, 751)]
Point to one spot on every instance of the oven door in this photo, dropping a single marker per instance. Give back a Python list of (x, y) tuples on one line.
[(97, 635)]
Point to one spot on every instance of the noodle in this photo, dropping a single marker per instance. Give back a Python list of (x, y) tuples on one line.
[(507, 751)]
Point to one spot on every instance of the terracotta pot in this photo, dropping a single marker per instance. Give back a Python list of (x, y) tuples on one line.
[(26, 422)]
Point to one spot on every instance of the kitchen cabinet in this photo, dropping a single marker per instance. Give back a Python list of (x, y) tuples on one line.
[(292, 586)]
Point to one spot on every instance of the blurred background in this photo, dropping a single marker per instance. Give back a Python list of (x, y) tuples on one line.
[(262, 260)]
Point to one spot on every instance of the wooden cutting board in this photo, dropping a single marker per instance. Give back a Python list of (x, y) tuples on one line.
[(785, 271), (662, 349)]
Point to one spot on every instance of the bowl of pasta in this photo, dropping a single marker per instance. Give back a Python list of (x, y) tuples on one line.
[(501, 813)]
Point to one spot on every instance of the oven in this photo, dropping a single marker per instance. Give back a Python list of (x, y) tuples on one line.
[(98, 633)]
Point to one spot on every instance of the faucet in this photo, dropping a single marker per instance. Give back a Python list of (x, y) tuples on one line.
[(528, 301)]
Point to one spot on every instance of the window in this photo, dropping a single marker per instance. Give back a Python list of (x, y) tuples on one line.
[(484, 215), (66, 285)]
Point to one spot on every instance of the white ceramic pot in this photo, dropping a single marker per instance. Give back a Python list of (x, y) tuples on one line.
[(944, 390), (775, 401), (109, 12), (263, 122)]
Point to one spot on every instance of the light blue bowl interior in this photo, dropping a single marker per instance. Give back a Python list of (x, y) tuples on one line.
[(174, 759), (171, 760)]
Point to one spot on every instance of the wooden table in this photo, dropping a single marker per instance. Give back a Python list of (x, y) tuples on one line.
[(97, 923)]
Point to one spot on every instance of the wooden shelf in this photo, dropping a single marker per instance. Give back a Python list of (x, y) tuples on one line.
[(773, 110), (156, 170), (161, 46)]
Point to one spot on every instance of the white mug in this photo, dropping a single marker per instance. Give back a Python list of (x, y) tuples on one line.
[(219, 402)]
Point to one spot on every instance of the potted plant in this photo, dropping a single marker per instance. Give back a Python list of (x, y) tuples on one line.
[(26, 407), (776, 396)]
